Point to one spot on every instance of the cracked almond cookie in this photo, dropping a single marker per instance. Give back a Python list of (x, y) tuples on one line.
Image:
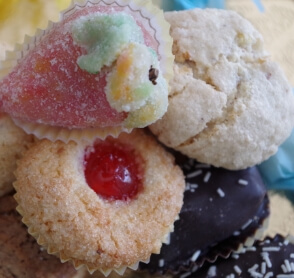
[(229, 104)]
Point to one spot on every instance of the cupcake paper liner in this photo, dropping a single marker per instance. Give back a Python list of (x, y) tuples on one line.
[(76, 263), (65, 135), (147, 14)]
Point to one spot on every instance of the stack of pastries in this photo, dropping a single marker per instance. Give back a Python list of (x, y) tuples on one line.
[(129, 145)]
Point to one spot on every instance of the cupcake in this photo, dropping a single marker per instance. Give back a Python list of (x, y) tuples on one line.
[(106, 205), (13, 142), (229, 104), (20, 255), (86, 72)]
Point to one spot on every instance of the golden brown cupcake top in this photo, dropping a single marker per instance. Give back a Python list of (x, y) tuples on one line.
[(68, 217)]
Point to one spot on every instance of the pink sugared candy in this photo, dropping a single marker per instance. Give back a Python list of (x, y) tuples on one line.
[(50, 86)]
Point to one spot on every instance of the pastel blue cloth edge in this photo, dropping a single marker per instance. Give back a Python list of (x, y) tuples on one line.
[(278, 170), (259, 5), (177, 5)]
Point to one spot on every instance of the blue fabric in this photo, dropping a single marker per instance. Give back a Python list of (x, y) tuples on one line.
[(177, 5), (259, 5), (278, 171)]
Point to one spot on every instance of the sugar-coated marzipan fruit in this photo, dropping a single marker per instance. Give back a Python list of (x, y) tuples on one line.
[(98, 67)]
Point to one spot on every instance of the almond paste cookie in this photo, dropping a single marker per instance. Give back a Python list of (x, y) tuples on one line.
[(13, 142), (20, 255), (106, 205), (229, 104)]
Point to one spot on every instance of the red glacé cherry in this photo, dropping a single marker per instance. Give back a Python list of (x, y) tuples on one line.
[(114, 171)]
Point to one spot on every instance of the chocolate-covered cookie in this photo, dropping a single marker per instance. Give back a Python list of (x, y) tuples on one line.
[(222, 211), (273, 257)]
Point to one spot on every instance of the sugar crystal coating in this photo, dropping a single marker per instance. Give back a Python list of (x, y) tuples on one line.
[(104, 36), (62, 80)]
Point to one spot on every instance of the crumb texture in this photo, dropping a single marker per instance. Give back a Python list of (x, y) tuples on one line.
[(13, 142), (69, 218), (282, 216), (20, 255), (229, 104)]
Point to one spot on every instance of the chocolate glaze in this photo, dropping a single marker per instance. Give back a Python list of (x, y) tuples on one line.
[(245, 261), (217, 204)]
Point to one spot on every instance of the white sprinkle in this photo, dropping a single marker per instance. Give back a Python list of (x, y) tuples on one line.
[(202, 166), (292, 255), (246, 224), (235, 256), (237, 233), (211, 271), (195, 267), (263, 267), (192, 190), (167, 239), (237, 269), (253, 268), (242, 251), (284, 268), (292, 266), (185, 275), (286, 242), (207, 177), (288, 266), (271, 249), (195, 256), (194, 174), (266, 258), (230, 276), (221, 193), (161, 263), (242, 182), (251, 248), (256, 274), (193, 185), (285, 276), (268, 275)]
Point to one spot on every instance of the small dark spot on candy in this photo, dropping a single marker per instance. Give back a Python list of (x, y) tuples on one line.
[(99, 251), (153, 75), (60, 150), (268, 76)]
